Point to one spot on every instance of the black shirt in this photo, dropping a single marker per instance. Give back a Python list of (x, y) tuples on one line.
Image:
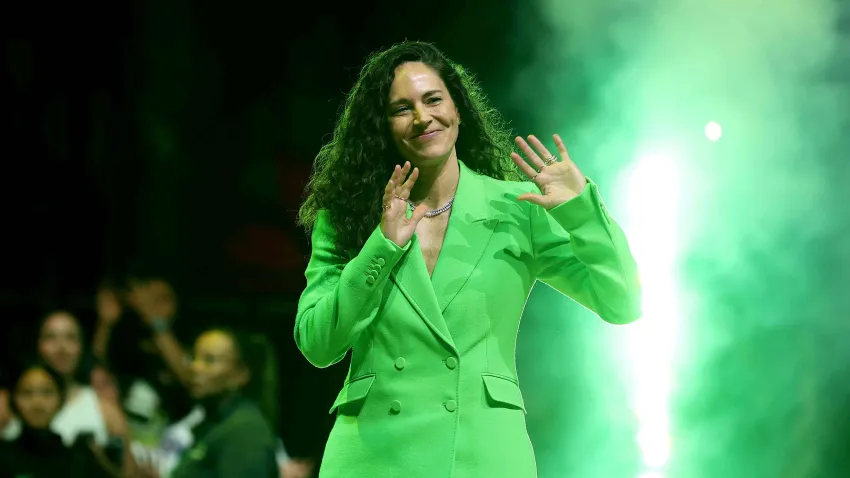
[(41, 454), (233, 441)]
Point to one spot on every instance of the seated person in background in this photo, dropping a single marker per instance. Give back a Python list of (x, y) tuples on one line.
[(60, 346), (233, 379), (139, 334), (10, 426), (178, 437), (38, 452)]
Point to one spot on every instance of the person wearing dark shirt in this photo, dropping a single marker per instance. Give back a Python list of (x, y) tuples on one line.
[(229, 379), (38, 452)]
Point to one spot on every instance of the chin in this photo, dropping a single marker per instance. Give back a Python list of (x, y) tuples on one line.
[(428, 158)]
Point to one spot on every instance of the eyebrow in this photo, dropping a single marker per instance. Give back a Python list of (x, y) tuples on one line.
[(424, 95)]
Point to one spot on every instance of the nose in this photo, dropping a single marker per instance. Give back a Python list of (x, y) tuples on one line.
[(195, 366), (421, 117)]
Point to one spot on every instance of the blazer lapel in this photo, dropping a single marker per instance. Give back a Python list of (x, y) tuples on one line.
[(411, 278), (467, 236)]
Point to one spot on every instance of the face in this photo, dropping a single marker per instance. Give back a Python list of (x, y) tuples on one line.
[(37, 398), (423, 117), (216, 368), (59, 343)]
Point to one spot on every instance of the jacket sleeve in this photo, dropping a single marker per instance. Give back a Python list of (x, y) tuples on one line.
[(341, 297), (580, 251)]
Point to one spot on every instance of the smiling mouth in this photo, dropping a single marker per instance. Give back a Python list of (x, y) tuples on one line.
[(428, 135)]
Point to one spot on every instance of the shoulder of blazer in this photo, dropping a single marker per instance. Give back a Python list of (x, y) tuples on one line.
[(501, 195)]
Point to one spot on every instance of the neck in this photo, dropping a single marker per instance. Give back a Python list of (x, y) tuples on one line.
[(436, 186), (214, 404)]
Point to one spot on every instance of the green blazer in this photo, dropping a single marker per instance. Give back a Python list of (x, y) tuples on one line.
[(432, 390)]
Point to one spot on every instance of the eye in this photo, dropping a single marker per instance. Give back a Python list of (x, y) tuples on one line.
[(400, 109), (434, 100)]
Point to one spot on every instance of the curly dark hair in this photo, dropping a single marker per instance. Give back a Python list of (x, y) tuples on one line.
[(351, 171)]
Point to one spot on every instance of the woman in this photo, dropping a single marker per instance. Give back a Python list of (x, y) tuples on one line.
[(60, 346), (39, 452), (232, 378), (180, 436), (425, 278)]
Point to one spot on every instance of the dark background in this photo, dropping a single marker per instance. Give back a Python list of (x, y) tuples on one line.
[(177, 137)]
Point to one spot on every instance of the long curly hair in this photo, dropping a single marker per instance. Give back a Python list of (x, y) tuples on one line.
[(352, 169)]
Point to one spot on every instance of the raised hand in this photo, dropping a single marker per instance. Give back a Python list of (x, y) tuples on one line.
[(108, 305), (153, 300), (559, 179), (394, 223)]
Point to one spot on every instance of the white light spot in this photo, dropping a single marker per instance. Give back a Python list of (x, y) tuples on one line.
[(713, 131)]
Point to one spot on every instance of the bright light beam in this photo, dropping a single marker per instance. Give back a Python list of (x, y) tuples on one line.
[(651, 205)]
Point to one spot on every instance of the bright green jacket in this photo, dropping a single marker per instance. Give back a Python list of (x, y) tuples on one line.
[(432, 390)]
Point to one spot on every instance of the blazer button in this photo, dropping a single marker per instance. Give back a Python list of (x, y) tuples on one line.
[(451, 405), (451, 363), (380, 261), (395, 407), (370, 280), (400, 363)]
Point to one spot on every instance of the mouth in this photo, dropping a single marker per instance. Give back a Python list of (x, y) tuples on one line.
[(427, 135)]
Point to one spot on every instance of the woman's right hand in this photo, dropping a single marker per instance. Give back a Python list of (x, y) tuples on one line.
[(394, 223), (108, 306)]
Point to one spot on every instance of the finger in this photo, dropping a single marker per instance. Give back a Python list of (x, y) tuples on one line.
[(523, 166), (399, 179), (418, 214), (529, 153), (403, 172), (540, 148), (408, 185), (562, 149)]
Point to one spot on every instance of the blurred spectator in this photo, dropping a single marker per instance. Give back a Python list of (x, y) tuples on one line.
[(60, 346), (150, 364), (10, 426), (38, 452), (234, 382)]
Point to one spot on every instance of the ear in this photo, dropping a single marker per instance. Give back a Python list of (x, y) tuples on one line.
[(243, 377)]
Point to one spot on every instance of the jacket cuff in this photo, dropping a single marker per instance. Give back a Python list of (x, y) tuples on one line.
[(580, 210), (377, 258)]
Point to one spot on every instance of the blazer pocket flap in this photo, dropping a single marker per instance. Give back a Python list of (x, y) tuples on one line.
[(503, 390), (353, 391)]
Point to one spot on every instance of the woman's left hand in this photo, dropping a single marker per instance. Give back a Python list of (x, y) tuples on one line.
[(557, 177)]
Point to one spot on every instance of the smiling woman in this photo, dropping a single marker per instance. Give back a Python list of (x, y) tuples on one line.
[(423, 118), (424, 278), (37, 395)]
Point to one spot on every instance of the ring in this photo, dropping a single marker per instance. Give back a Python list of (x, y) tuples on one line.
[(399, 197), (535, 176), (385, 207), (550, 160)]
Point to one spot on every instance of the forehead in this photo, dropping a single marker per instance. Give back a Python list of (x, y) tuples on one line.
[(413, 79), (214, 343), (60, 321), (36, 378)]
